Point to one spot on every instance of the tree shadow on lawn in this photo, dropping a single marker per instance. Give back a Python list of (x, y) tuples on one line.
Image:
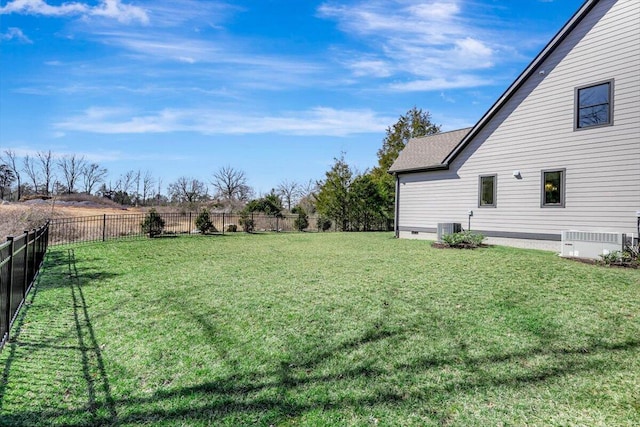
[(297, 383)]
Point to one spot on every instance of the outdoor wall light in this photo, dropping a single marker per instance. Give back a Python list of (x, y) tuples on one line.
[(517, 174)]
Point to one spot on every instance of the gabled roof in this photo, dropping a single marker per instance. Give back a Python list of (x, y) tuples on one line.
[(427, 152), (530, 70)]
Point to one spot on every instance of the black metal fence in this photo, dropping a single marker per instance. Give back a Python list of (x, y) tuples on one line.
[(20, 261), (99, 228), (107, 227)]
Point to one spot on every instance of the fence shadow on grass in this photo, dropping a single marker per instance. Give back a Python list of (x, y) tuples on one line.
[(275, 395), (269, 397), (246, 396), (62, 345)]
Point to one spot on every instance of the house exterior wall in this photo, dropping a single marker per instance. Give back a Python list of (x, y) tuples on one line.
[(534, 131)]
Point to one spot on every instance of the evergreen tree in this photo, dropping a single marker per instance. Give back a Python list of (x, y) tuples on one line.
[(415, 123), (332, 201)]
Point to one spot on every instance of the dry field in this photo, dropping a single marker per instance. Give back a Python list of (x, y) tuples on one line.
[(17, 217)]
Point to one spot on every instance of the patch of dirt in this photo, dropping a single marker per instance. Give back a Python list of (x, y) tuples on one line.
[(440, 245), (617, 264), (19, 216)]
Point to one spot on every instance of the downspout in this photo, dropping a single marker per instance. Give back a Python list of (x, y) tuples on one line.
[(397, 207)]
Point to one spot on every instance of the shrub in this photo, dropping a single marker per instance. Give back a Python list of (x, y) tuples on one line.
[(153, 224), (627, 258), (463, 239), (323, 223), (302, 221), (203, 222), (246, 222), (232, 228)]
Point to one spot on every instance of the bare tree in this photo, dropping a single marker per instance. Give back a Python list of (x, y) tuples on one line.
[(231, 184), (10, 159), (159, 193), (125, 182), (46, 168), (92, 174), (72, 168), (307, 199), (147, 186), (289, 191), (30, 168), (188, 190), (136, 178)]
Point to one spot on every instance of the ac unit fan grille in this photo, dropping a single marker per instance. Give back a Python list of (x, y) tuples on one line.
[(588, 236)]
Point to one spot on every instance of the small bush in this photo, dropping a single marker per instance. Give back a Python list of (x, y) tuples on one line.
[(463, 239), (246, 222), (203, 222), (627, 258), (302, 221), (323, 223), (153, 224), (232, 228)]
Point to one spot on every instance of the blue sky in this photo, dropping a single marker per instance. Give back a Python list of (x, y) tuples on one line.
[(276, 88)]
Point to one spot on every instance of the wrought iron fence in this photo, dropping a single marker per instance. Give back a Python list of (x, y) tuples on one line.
[(107, 227), (20, 261)]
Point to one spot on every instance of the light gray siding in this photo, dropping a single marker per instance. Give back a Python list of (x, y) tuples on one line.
[(534, 131)]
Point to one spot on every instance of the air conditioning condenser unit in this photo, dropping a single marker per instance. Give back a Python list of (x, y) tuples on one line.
[(589, 244), (445, 228)]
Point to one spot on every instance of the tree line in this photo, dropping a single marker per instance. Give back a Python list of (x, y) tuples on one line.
[(345, 199)]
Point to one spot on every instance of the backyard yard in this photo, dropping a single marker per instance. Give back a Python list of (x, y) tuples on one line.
[(322, 329)]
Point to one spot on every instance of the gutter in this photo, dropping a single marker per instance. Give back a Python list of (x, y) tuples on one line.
[(443, 166)]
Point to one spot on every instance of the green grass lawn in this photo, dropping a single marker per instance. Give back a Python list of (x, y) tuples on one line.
[(322, 329)]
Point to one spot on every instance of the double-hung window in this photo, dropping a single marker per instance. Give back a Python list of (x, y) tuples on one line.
[(594, 105)]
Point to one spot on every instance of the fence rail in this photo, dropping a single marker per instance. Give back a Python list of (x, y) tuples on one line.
[(20, 261), (108, 227)]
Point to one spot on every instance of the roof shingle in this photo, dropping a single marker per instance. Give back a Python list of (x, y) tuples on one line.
[(428, 151)]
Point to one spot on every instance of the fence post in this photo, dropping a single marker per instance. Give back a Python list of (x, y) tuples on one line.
[(34, 267), (25, 274), (9, 288), (222, 222), (277, 226), (104, 227)]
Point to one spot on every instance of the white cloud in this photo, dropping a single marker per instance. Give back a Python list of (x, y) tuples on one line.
[(371, 67), (40, 7), (428, 40), (321, 121), (440, 83), (435, 10), (14, 33), (185, 13), (122, 12), (113, 9)]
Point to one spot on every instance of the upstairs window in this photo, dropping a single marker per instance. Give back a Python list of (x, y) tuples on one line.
[(487, 196), (553, 183), (594, 105)]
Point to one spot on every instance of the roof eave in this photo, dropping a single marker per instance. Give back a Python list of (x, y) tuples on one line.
[(421, 169), (523, 77)]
